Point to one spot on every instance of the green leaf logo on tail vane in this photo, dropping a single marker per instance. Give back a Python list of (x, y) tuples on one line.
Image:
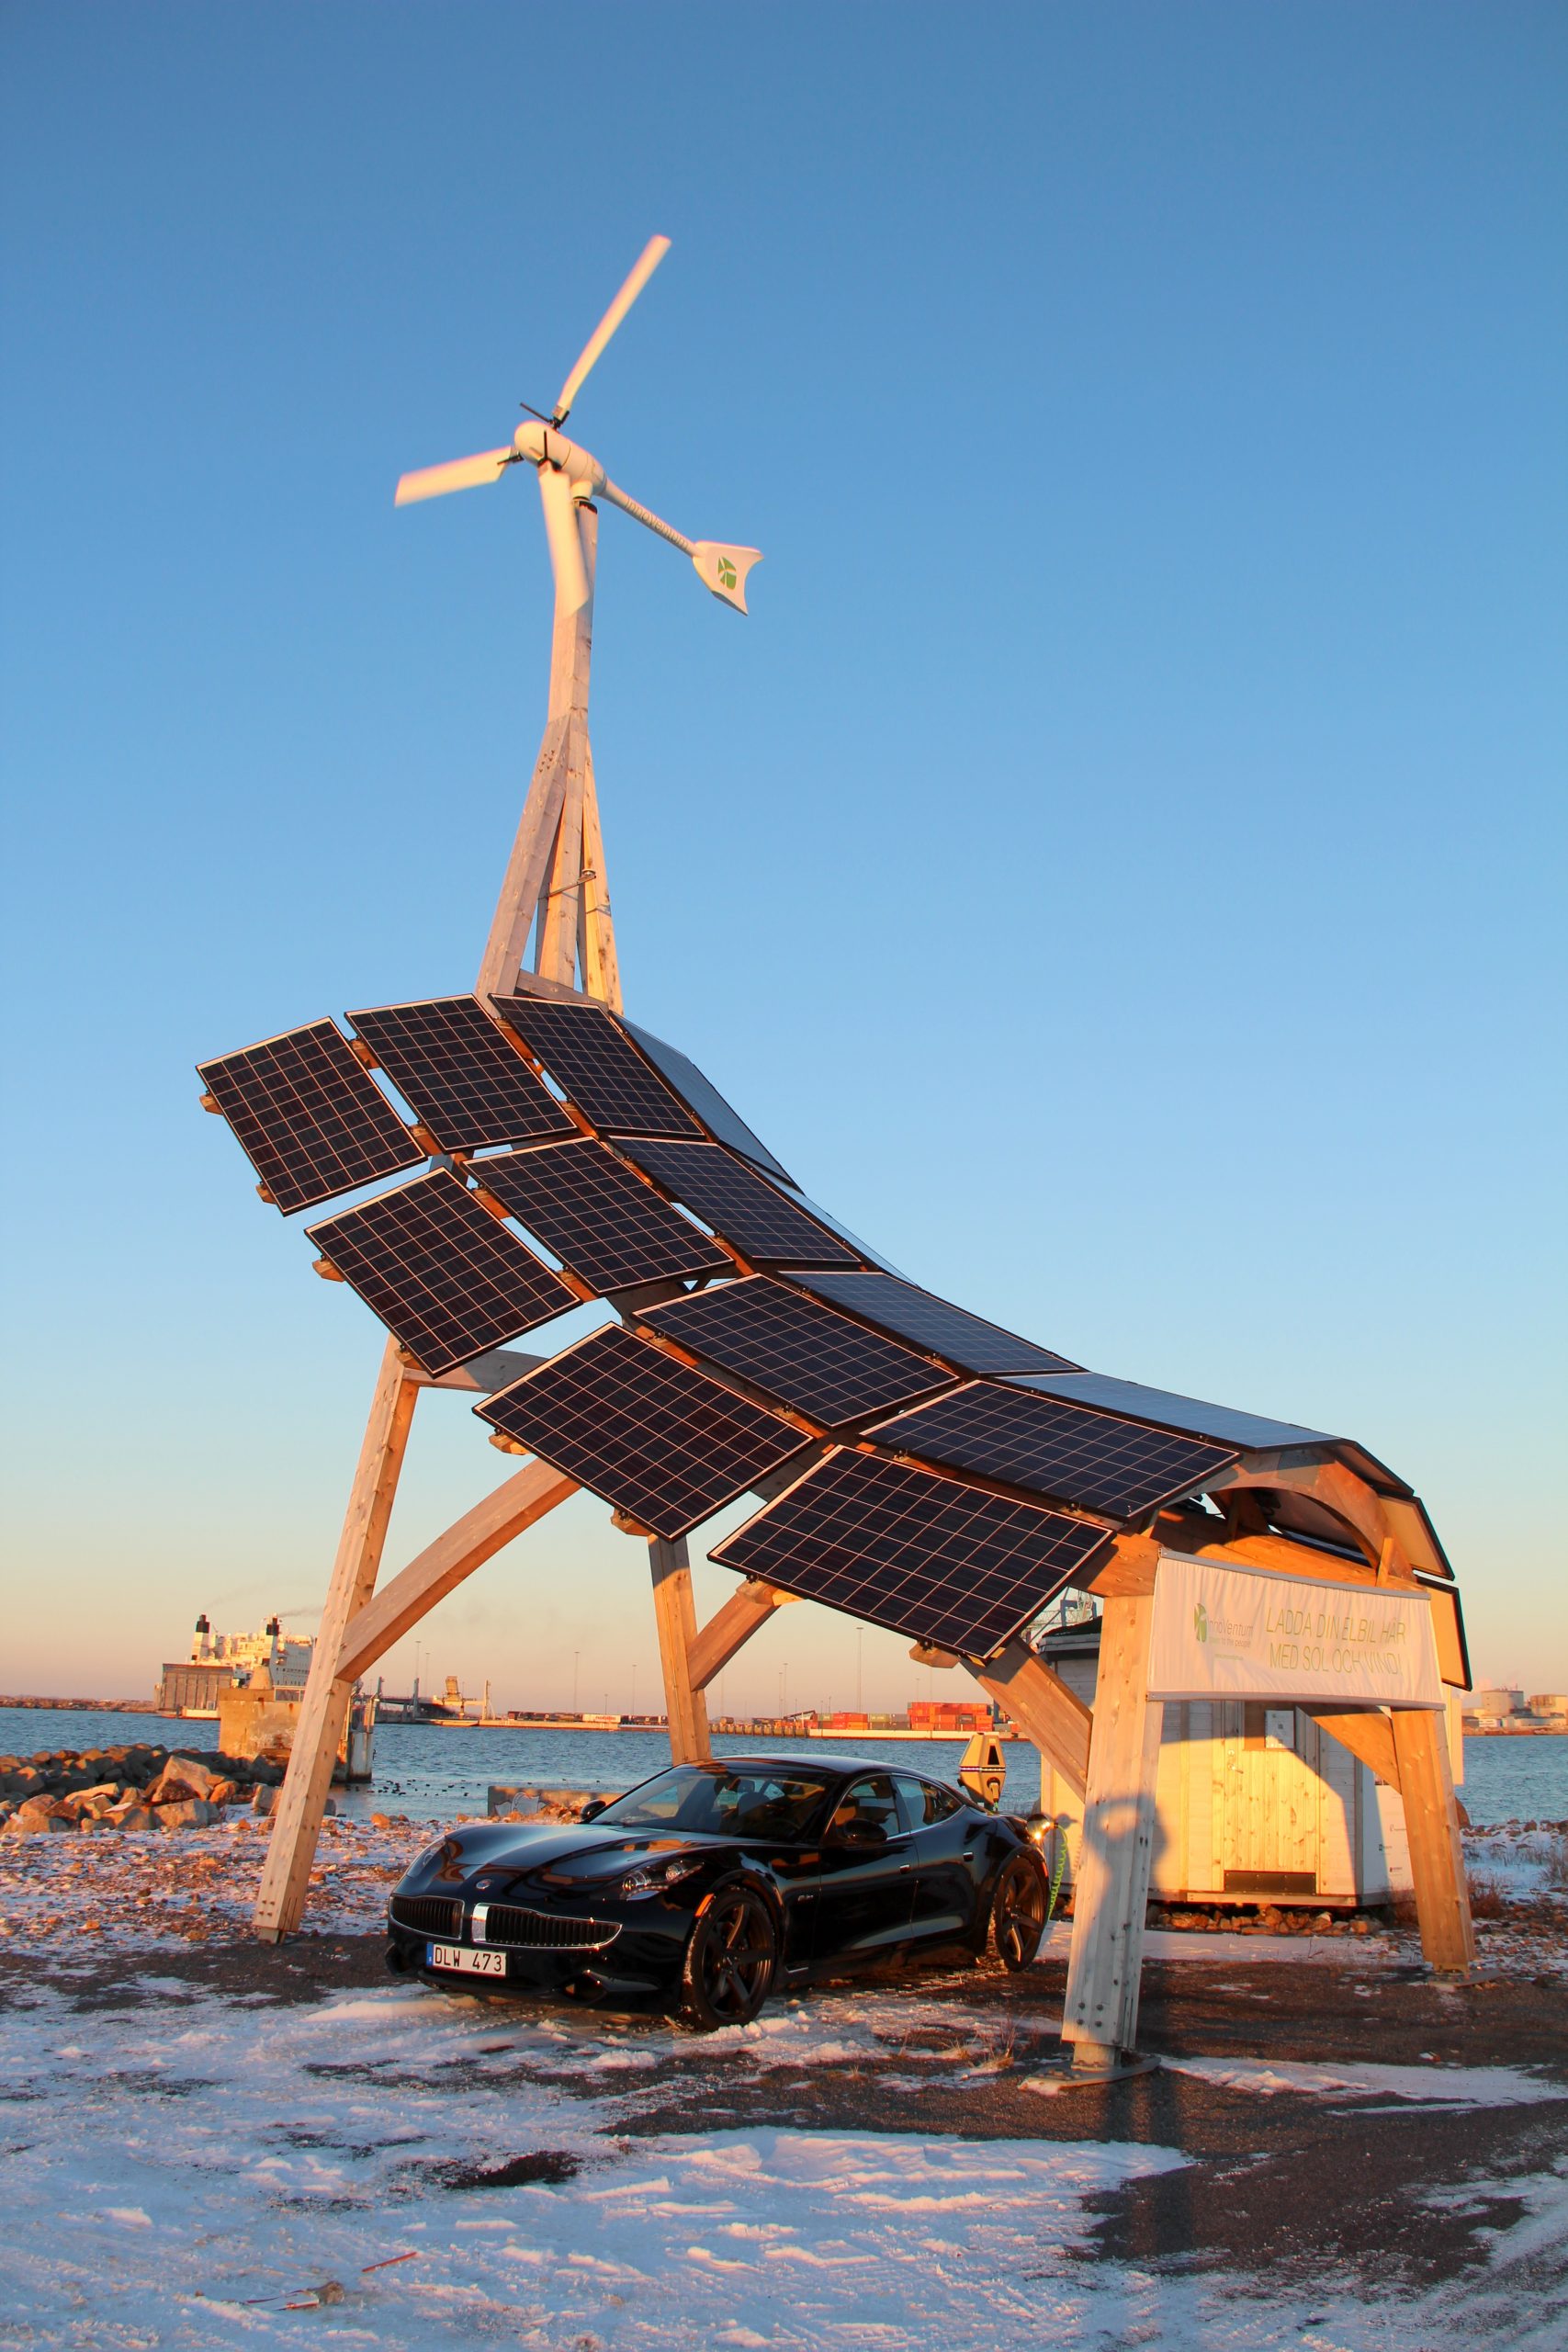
[(726, 572), (1200, 1622)]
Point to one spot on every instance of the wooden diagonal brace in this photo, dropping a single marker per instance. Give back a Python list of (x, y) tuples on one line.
[(1053, 1717), (731, 1628), (1367, 1733), (467, 1544)]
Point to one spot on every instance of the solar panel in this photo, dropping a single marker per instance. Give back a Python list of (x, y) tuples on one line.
[(738, 1203), (967, 1340), (818, 1362), (1250, 1432), (598, 1219), (701, 1094), (955, 1567), (466, 1080), (596, 1068), (1094, 1460), (446, 1277), (307, 1115), (660, 1441)]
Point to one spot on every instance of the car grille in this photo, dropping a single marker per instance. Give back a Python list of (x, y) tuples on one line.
[(429, 1915), (508, 1923)]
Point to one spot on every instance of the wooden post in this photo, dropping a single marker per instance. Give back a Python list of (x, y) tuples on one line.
[(676, 1616), (1100, 2013), (1431, 1823), (323, 1711)]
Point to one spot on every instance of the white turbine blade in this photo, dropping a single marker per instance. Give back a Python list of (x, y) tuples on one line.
[(566, 547), (648, 261), (723, 570), (462, 473)]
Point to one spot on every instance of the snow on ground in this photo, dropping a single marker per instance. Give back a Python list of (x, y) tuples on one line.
[(1524, 1862), (192, 2175), (191, 1885), (1434, 2085)]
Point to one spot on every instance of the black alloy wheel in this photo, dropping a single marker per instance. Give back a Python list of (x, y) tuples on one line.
[(1018, 1911), (730, 1962)]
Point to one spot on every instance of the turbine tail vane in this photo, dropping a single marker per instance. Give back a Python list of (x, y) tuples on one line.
[(723, 570)]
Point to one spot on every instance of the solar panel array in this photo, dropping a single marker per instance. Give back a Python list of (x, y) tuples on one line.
[(663, 1443), (919, 1316), (906, 1529), (598, 1219), (463, 1079), (308, 1117), (1094, 1460), (446, 1277), (738, 1203), (818, 1362), (901, 1547), (596, 1068), (703, 1096)]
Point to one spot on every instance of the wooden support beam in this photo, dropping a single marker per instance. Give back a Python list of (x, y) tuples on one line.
[(563, 882), (596, 941), (1367, 1732), (525, 869), (747, 1610), (676, 1617), (1130, 1569), (1112, 1892), (1348, 1499), (1431, 1824), (1055, 1718), (467, 1544), (323, 1711)]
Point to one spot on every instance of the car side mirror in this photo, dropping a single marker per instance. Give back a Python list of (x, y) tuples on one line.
[(859, 1832), (593, 1808)]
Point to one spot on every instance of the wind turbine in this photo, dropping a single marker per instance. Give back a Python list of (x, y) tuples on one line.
[(569, 474), (555, 875)]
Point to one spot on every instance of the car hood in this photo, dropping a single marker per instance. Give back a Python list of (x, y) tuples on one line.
[(489, 1859)]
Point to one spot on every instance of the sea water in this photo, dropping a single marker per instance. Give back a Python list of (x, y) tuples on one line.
[(430, 1771)]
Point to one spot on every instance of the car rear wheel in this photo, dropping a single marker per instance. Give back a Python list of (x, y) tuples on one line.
[(1018, 1911), (731, 1961)]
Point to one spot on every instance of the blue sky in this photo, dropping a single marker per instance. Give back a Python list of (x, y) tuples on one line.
[(1118, 864)]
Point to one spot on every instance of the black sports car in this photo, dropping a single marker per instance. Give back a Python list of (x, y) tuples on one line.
[(710, 1883)]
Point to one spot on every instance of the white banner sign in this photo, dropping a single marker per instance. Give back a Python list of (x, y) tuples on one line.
[(1244, 1634)]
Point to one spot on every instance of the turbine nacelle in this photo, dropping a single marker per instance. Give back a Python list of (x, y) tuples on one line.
[(570, 474)]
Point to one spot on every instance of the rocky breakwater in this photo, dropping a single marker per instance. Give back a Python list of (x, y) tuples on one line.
[(135, 1787)]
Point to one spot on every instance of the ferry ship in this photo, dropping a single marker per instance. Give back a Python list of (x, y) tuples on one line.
[(251, 1686), (220, 1662)]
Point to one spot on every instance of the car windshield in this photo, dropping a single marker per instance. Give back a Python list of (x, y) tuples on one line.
[(712, 1799)]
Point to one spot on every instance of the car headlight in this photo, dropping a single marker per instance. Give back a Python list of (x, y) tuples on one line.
[(657, 1878)]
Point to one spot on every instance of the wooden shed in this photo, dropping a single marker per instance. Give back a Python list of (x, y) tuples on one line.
[(1253, 1803)]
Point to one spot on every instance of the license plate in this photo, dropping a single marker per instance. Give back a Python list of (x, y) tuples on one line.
[(472, 1963)]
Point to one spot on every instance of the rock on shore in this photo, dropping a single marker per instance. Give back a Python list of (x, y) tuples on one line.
[(137, 1786)]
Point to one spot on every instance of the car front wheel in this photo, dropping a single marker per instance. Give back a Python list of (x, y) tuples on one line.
[(730, 1963), (1018, 1911)]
